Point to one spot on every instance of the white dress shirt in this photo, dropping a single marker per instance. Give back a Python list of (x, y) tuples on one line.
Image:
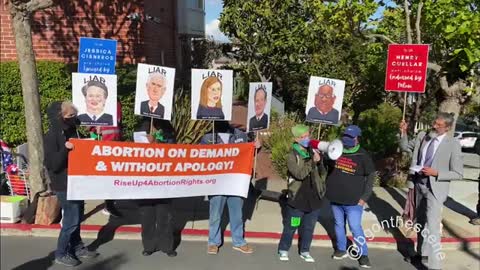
[(437, 141)]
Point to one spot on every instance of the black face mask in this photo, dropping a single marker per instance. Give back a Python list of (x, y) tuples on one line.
[(71, 121)]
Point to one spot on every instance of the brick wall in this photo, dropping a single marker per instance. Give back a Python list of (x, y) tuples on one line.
[(56, 31)]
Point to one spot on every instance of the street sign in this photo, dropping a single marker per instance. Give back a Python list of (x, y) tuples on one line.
[(97, 55), (406, 68)]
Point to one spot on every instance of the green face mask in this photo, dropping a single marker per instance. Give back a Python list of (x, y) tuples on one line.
[(351, 150)]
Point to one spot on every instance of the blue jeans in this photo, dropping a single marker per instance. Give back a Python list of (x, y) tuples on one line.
[(69, 239), (308, 220), (353, 215), (235, 210)]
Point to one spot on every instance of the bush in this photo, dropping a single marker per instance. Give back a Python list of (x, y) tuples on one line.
[(379, 129), (54, 84)]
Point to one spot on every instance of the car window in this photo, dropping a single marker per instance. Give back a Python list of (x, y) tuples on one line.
[(456, 134), (469, 135)]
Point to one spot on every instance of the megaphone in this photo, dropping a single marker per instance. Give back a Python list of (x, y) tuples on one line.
[(334, 149)]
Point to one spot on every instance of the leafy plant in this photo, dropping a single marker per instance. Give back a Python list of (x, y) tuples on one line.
[(186, 130)]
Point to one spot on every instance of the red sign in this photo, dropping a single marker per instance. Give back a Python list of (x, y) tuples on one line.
[(407, 68)]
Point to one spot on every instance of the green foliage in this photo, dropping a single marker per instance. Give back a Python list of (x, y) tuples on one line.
[(280, 140), (187, 131), (380, 128), (54, 84)]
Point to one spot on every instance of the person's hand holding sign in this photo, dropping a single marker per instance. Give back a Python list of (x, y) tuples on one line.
[(69, 145), (403, 127)]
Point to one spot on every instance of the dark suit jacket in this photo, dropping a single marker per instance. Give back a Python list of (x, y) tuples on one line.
[(315, 116), (255, 124), (105, 120), (145, 110)]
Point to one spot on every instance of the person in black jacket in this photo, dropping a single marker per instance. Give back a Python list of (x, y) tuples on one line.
[(349, 185), (156, 214), (63, 121)]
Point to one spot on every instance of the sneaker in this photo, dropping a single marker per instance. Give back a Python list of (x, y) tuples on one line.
[(475, 221), (244, 249), (339, 255), (283, 256), (364, 262), (67, 260), (306, 257), (84, 253), (212, 249)]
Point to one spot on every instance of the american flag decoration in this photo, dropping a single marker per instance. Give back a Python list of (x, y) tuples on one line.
[(7, 158)]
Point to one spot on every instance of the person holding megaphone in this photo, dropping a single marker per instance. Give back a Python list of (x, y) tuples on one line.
[(306, 188)]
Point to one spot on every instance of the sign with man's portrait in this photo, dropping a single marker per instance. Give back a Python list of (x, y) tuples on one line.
[(212, 92), (95, 96), (325, 99), (259, 104), (154, 94)]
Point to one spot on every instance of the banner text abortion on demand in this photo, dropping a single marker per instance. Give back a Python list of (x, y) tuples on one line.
[(154, 152)]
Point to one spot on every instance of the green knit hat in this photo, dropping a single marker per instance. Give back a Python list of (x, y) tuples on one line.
[(299, 130)]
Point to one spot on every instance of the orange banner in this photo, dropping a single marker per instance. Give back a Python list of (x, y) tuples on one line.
[(120, 170)]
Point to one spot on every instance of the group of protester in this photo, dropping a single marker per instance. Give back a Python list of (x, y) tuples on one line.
[(346, 182)]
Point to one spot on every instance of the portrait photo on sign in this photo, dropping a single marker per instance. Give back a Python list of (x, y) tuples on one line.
[(259, 104), (154, 92), (95, 96), (325, 99), (212, 92)]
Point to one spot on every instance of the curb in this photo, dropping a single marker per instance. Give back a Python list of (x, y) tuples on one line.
[(133, 233)]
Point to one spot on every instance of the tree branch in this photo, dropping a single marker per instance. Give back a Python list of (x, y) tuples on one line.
[(35, 5), (407, 21), (263, 78), (417, 23), (381, 37)]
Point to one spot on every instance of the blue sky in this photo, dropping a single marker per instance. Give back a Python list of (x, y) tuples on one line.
[(213, 8)]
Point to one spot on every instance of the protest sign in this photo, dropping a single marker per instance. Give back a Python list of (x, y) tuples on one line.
[(259, 104), (406, 68), (212, 92), (154, 95), (325, 100), (97, 55), (124, 170)]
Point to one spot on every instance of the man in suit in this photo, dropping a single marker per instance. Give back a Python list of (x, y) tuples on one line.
[(260, 120), (323, 112), (437, 159), (95, 93), (156, 87)]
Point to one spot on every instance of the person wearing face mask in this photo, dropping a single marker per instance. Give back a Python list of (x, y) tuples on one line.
[(63, 121), (436, 160), (349, 185), (306, 188)]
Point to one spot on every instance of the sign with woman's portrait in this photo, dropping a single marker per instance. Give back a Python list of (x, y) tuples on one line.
[(95, 96), (154, 95), (259, 101), (212, 92), (324, 102)]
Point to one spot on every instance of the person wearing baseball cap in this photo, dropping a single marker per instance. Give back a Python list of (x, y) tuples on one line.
[(349, 185)]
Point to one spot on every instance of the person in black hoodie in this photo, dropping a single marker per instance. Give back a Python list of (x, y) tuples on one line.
[(63, 120), (349, 185), (157, 214)]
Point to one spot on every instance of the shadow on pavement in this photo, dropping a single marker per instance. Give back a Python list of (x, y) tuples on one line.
[(38, 264), (110, 263), (465, 244), (385, 213)]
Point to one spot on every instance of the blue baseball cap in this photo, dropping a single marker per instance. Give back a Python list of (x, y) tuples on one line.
[(349, 135)]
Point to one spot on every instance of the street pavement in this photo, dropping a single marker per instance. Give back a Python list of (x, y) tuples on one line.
[(36, 253)]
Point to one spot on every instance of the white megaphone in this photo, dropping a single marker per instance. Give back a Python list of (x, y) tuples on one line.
[(334, 149)]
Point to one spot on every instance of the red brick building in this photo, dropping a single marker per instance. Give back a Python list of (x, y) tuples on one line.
[(146, 30)]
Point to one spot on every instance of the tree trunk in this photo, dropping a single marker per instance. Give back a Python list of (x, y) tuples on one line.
[(28, 71)]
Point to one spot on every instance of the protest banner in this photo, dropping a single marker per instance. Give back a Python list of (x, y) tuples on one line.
[(125, 170), (324, 100)]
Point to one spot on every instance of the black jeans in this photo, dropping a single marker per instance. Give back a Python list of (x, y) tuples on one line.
[(69, 239), (157, 225)]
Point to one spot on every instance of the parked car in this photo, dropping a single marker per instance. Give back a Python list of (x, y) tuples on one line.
[(476, 147), (467, 138)]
